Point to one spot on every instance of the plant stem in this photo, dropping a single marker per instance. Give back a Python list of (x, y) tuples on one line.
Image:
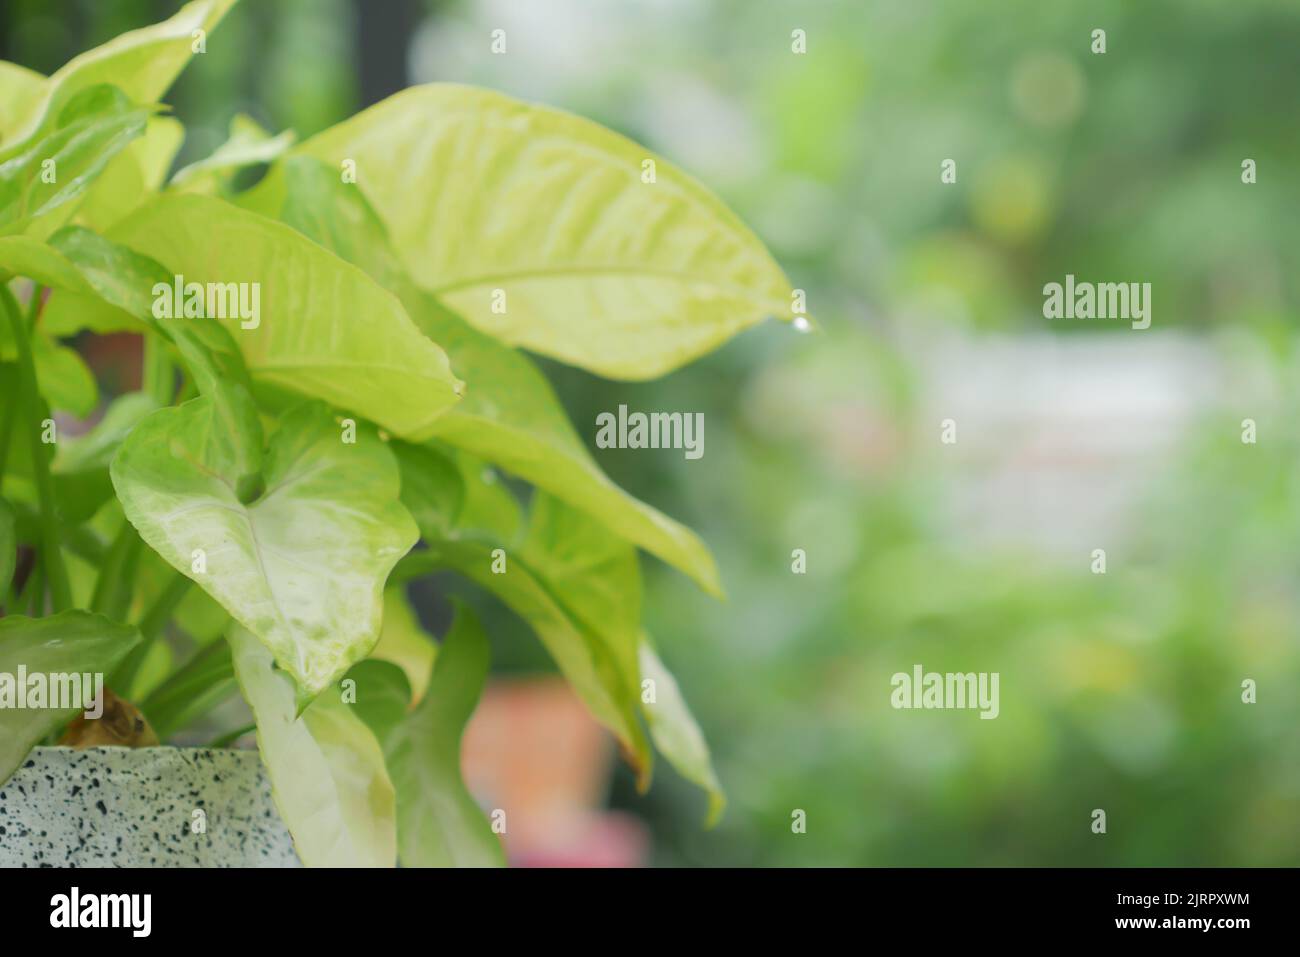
[(151, 625), (413, 565), (25, 601), (10, 414), (79, 540), (230, 737), (56, 575), (7, 418), (113, 587), (34, 307), (196, 663), (159, 373)]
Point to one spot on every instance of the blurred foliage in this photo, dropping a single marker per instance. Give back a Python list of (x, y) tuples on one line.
[(1120, 691)]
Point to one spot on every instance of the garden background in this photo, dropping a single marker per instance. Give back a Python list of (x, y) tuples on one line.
[(1119, 691)]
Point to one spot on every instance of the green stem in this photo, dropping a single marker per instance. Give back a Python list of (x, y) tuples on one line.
[(79, 540), (112, 595), (230, 737), (197, 662), (10, 414), (159, 372), (414, 565), (25, 602), (151, 625), (56, 575), (34, 307), (6, 435)]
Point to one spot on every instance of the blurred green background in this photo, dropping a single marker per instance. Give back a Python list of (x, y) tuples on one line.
[(1119, 691)]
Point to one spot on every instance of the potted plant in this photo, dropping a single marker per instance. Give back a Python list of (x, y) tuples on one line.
[(332, 377)]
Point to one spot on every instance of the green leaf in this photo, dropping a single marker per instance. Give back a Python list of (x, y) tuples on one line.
[(432, 489), (481, 192), (116, 283), (381, 695), (580, 589), (676, 733), (439, 824), (91, 293), (94, 450), (122, 278), (93, 127), (509, 414), (489, 507), (404, 643), (39, 261), (80, 466), (515, 420), (19, 89), (303, 565), (64, 379), (326, 329), (247, 145), (326, 768), (132, 176), (74, 642), (8, 549), (579, 652), (450, 494), (142, 63), (113, 289)]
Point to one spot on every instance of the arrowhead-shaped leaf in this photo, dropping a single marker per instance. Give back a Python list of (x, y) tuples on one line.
[(303, 565)]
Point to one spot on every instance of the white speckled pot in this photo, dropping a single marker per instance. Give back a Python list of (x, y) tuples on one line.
[(124, 807)]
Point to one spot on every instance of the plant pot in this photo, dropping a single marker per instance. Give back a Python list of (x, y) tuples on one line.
[(141, 807)]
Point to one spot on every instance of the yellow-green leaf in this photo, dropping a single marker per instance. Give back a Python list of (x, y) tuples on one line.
[(483, 195), (302, 565), (131, 176), (404, 642), (42, 178), (247, 144), (675, 731), (142, 63), (325, 328), (327, 771), (509, 414), (19, 89), (74, 642), (438, 822)]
